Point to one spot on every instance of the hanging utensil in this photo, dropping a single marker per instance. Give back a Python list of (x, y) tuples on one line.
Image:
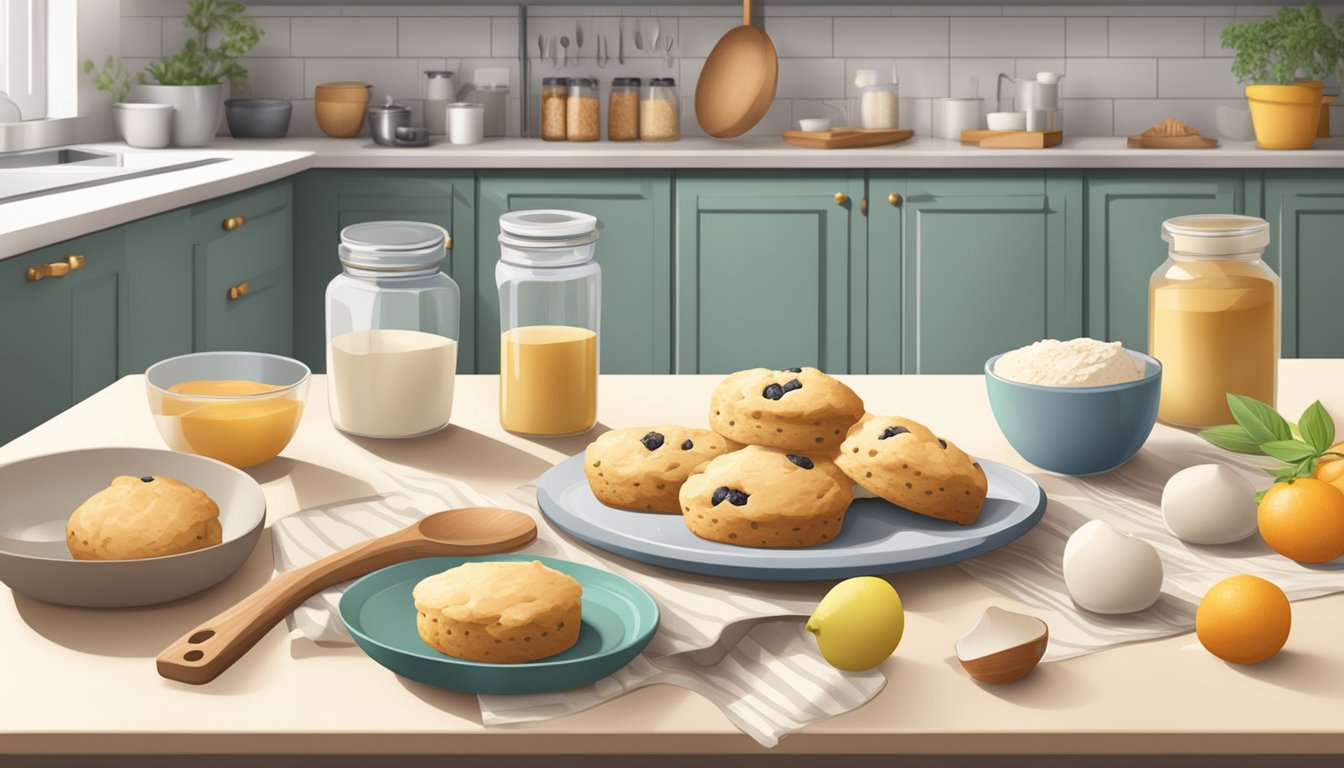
[(667, 51), (555, 51), (541, 47), (620, 40), (639, 38), (564, 46), (737, 83), (603, 53), (578, 41), (657, 37)]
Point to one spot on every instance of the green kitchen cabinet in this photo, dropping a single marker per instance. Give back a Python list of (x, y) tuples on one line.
[(326, 201), (243, 264), (65, 333), (989, 262), (1305, 211), (158, 289), (1124, 239), (769, 272), (634, 222)]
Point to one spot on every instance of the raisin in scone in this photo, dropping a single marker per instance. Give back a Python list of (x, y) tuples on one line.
[(766, 497), (798, 409), (903, 462), (642, 468)]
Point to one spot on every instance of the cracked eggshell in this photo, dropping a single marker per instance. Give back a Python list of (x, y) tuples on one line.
[(1209, 504), (1003, 646), (1109, 571)]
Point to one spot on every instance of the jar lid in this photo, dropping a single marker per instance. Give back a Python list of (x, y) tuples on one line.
[(545, 229), (555, 81), (433, 73), (590, 82), (666, 82), (344, 86), (466, 105), (393, 246), (1216, 234), (627, 81)]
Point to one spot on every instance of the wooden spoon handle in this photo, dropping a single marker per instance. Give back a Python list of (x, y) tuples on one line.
[(203, 653), (746, 13)]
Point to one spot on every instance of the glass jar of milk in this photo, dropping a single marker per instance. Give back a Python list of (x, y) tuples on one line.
[(550, 296), (392, 330)]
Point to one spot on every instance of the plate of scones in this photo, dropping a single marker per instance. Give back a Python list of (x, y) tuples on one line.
[(793, 480)]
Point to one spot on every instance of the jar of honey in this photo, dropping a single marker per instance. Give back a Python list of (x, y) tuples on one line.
[(1213, 318)]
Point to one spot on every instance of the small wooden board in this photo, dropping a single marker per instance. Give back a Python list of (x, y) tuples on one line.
[(1172, 142), (1013, 139), (846, 138)]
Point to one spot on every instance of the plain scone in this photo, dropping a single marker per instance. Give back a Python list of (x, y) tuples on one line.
[(504, 612), (139, 517)]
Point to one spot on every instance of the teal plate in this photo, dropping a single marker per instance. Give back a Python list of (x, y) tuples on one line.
[(619, 619)]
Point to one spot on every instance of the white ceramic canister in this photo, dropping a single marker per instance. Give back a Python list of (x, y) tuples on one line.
[(466, 122), (951, 116)]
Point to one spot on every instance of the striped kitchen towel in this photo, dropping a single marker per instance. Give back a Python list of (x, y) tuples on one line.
[(743, 648)]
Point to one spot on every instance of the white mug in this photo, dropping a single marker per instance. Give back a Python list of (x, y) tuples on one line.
[(951, 116)]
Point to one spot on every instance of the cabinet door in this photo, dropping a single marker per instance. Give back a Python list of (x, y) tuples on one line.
[(1306, 219), (764, 270), (1124, 239), (158, 289), (883, 284), (634, 221), (327, 201), (64, 334), (243, 273), (990, 263)]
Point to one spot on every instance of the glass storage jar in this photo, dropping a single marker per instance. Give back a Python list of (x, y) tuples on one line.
[(660, 112), (583, 111), (550, 293), (623, 109), (392, 331), (554, 94), (1213, 318), (879, 106)]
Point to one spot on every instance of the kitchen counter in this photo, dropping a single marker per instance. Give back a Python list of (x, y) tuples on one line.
[(83, 682)]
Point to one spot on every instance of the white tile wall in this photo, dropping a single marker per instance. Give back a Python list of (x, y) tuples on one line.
[(1125, 67)]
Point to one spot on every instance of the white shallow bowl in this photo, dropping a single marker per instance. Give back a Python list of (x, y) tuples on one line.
[(813, 124), (1006, 121), (37, 496)]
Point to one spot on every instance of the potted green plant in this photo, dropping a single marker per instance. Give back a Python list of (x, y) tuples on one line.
[(1269, 55), (192, 81)]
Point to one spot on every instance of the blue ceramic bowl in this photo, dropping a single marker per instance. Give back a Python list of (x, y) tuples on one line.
[(1077, 430)]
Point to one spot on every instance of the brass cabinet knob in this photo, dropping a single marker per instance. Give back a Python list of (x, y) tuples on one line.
[(863, 205), (233, 222), (448, 242), (895, 199), (841, 198), (56, 268), (238, 291)]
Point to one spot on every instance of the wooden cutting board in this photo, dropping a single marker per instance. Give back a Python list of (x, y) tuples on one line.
[(1172, 142), (846, 138), (1013, 139)]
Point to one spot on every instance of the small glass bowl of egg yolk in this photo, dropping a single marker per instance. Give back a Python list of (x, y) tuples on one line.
[(241, 408)]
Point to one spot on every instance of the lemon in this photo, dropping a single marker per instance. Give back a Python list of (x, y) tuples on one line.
[(858, 623)]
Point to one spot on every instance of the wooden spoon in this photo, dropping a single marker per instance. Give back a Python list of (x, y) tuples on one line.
[(203, 653)]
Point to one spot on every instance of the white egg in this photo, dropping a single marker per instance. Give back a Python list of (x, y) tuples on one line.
[(1209, 504), (1109, 571)]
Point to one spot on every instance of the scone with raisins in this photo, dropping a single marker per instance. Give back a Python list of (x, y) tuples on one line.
[(797, 409), (642, 468)]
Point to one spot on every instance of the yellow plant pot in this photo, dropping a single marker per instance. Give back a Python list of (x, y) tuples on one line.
[(1285, 116)]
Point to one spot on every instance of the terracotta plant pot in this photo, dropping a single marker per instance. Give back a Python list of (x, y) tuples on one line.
[(1285, 116), (340, 108)]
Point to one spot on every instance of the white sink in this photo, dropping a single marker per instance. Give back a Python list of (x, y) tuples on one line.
[(32, 174)]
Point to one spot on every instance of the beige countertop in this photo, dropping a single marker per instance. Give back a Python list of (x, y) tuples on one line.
[(83, 681)]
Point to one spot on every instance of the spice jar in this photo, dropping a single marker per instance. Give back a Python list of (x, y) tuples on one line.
[(623, 109), (550, 294), (392, 330), (582, 111), (554, 94), (659, 114), (1213, 318)]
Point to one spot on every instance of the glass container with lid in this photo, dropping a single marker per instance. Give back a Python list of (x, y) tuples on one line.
[(1213, 317), (392, 331), (583, 110), (550, 294), (554, 95), (623, 109), (660, 112)]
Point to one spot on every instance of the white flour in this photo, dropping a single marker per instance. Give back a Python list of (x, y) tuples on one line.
[(1074, 363)]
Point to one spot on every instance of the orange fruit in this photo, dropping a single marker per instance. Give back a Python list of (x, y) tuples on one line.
[(1303, 520), (1336, 448), (1243, 619), (1331, 472)]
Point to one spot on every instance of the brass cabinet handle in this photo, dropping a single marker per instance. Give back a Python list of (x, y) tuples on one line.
[(233, 222), (238, 291), (895, 199), (841, 198), (56, 268), (448, 242), (863, 206)]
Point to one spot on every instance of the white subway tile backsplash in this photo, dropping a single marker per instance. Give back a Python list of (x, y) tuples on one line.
[(1085, 36), (344, 37), (443, 36), (278, 78), (903, 36), (811, 79), (1156, 36), (499, 10), (503, 36), (1109, 78), (699, 34), (801, 36), (141, 36), (1132, 116), (1087, 117), (399, 78), (1008, 36), (1146, 9), (274, 37), (1196, 78)]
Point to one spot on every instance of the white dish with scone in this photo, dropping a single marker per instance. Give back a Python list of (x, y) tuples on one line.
[(122, 527)]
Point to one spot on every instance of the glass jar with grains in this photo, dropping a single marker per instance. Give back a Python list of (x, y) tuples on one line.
[(554, 93), (582, 110), (659, 118), (623, 109)]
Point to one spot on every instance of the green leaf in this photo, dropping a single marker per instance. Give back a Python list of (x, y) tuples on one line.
[(1290, 451), (1260, 495), (1307, 468), (1232, 437), (1263, 423), (1317, 427)]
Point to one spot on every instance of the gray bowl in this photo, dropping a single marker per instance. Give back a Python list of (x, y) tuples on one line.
[(258, 118), (38, 494)]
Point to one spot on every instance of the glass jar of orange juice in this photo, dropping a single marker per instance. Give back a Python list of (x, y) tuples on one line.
[(1213, 318), (550, 296)]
